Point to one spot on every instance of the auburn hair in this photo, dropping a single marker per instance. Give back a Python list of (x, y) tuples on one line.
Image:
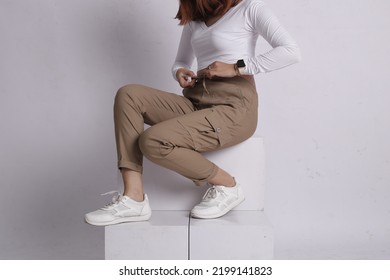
[(202, 10)]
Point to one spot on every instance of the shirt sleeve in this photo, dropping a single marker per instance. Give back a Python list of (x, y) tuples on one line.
[(185, 54), (285, 50)]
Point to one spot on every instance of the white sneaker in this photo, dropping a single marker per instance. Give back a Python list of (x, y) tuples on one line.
[(217, 201), (121, 209)]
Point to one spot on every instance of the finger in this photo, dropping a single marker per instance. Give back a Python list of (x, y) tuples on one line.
[(186, 78), (201, 73), (183, 82), (188, 82), (211, 74)]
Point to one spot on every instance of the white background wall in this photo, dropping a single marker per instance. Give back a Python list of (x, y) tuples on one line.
[(325, 122)]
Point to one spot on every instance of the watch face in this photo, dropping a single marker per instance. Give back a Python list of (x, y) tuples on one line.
[(241, 63)]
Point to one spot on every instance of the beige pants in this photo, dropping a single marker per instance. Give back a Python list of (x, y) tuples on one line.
[(214, 114)]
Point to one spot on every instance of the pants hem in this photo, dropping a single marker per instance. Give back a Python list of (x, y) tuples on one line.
[(130, 165), (205, 181)]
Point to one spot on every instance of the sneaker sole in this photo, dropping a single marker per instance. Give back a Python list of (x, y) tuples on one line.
[(121, 220), (220, 214)]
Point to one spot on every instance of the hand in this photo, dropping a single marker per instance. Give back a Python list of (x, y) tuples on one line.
[(218, 69), (186, 77)]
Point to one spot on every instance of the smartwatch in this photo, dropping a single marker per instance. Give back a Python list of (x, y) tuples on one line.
[(240, 67)]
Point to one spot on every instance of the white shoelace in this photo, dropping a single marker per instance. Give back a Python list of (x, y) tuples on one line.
[(115, 199), (212, 193)]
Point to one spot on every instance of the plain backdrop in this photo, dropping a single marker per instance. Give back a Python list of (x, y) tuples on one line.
[(325, 122)]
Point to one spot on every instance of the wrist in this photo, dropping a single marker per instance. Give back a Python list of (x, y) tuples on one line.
[(240, 66), (236, 70)]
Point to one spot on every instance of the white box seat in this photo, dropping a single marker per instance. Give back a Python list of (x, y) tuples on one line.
[(239, 235), (172, 234), (164, 236)]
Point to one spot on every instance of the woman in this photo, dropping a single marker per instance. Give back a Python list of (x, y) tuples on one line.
[(218, 107)]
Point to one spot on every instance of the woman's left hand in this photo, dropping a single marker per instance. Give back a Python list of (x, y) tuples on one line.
[(218, 69)]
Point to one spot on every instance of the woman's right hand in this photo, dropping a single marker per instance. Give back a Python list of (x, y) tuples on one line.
[(186, 78)]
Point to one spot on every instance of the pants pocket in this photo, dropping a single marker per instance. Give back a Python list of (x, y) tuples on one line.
[(207, 129), (222, 132)]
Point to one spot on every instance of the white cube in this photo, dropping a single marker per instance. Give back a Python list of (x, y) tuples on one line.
[(163, 237), (169, 191), (239, 235), (244, 233)]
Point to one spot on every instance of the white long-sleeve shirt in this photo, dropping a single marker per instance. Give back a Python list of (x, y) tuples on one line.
[(234, 37)]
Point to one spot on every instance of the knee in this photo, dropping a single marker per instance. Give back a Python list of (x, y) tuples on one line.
[(127, 93)]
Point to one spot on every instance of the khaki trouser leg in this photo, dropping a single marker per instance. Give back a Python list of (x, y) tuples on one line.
[(135, 105)]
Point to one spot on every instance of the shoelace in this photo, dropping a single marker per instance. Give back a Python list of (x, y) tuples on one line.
[(204, 85), (115, 199), (212, 193)]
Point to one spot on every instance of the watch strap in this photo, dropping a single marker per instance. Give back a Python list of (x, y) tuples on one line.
[(240, 67)]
